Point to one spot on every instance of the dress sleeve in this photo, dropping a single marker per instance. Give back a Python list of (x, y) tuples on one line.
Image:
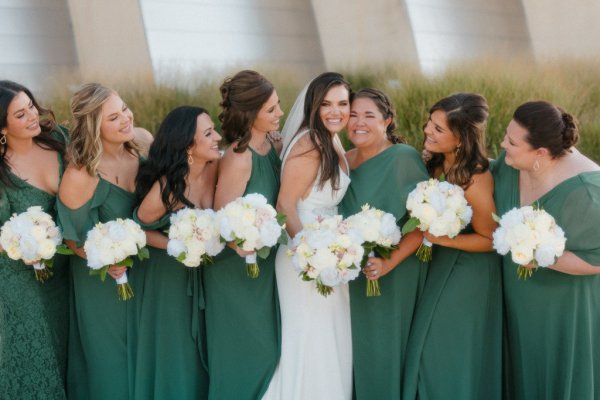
[(161, 224), (580, 218), (75, 223)]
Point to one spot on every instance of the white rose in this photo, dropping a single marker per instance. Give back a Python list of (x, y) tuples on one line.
[(522, 255), (175, 247), (545, 255), (329, 277)]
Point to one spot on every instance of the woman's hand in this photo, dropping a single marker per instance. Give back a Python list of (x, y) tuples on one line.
[(376, 268), (439, 240), (116, 271), (241, 252)]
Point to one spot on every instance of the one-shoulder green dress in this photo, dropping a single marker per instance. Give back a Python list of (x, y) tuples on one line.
[(33, 315), (170, 315), (553, 318), (380, 325), (100, 336), (242, 313)]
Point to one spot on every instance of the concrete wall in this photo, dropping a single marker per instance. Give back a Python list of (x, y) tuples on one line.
[(563, 28), (36, 41), (358, 33), (463, 29), (215, 34)]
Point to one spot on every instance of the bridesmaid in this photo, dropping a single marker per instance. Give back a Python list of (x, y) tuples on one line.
[(98, 186), (383, 171), (455, 339), (553, 318), (242, 315), (33, 315), (181, 171)]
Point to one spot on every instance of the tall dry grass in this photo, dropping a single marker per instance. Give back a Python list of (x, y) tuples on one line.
[(574, 85)]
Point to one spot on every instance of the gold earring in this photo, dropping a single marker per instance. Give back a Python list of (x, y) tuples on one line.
[(536, 165), (457, 149), (3, 138), (190, 159)]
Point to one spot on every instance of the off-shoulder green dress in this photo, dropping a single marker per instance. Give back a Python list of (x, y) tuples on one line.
[(553, 318), (380, 325), (170, 316), (100, 329), (33, 315), (242, 314)]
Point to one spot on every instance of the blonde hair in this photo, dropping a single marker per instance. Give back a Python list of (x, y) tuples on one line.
[(85, 146)]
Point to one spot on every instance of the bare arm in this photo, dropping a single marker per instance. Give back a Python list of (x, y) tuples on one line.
[(480, 197), (233, 176), (299, 173), (570, 264), (151, 210)]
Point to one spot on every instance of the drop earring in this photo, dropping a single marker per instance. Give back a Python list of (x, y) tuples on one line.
[(190, 160), (3, 138)]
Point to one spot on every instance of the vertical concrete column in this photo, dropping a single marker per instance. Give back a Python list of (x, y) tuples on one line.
[(110, 38)]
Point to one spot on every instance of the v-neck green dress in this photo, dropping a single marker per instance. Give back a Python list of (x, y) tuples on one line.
[(33, 315), (100, 330), (553, 318), (170, 315), (242, 314), (380, 325)]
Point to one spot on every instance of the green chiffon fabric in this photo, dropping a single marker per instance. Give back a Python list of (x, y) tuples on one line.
[(553, 318), (101, 329), (242, 314), (33, 315), (455, 344), (170, 315), (381, 325)]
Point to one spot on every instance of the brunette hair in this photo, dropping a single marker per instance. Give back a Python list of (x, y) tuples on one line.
[(466, 115), (385, 107), (8, 91), (320, 137), (548, 126), (243, 95)]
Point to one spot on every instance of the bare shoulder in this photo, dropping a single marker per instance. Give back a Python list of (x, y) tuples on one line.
[(77, 187), (481, 183), (231, 159), (143, 139), (351, 157), (304, 147)]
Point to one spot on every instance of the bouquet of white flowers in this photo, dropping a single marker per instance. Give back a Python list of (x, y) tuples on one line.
[(194, 236), (33, 237), (253, 225), (438, 207), (111, 243), (532, 236), (379, 233), (328, 252)]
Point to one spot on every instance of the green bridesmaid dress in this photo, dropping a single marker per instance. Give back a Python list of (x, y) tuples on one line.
[(242, 314), (100, 329), (553, 318), (380, 325), (34, 316), (170, 318)]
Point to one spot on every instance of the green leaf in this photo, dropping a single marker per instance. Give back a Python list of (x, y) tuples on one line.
[(263, 252), (48, 263), (283, 238), (143, 253), (410, 225), (181, 256), (64, 250), (101, 272), (128, 262), (281, 218), (442, 177)]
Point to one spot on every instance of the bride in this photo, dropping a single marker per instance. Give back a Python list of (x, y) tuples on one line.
[(316, 348)]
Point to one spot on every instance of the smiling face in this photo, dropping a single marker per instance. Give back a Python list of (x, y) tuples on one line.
[(366, 125), (519, 153), (335, 108), (22, 118), (268, 117), (117, 121), (206, 140), (439, 138)]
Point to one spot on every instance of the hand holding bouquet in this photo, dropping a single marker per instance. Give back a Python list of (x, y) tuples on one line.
[(194, 236), (253, 225), (114, 242), (380, 235), (328, 252), (439, 208), (532, 236), (33, 237)]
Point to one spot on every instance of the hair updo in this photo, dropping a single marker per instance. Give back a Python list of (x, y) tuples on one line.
[(385, 107), (548, 126), (243, 95)]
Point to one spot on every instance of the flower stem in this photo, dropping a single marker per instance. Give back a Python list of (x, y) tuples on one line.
[(124, 291), (324, 290), (373, 288), (424, 252), (252, 270), (42, 275), (524, 272)]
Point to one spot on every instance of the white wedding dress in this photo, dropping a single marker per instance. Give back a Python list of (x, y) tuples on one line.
[(316, 341)]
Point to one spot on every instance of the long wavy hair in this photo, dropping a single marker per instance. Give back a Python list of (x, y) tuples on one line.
[(320, 137), (466, 114), (85, 147), (385, 107), (8, 91), (243, 95), (167, 160)]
